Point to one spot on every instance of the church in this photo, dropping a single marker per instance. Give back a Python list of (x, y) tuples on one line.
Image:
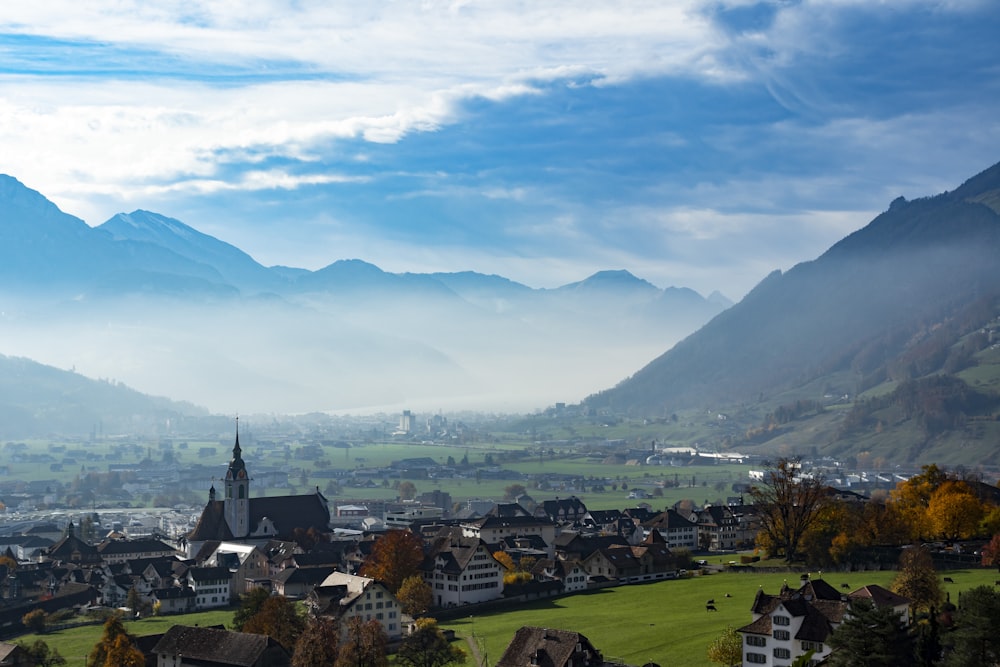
[(240, 518)]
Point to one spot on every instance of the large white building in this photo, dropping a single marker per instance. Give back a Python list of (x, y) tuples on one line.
[(461, 570)]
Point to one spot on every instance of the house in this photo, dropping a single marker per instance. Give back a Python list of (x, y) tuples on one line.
[(174, 599), (679, 529), (14, 655), (794, 622), (184, 646), (119, 551), (510, 520), (212, 586), (570, 572), (297, 582), (545, 647), (727, 527), (247, 562), (562, 510), (461, 569), (649, 561), (346, 596)]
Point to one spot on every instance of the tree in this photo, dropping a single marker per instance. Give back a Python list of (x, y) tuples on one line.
[(727, 649), (913, 496), (991, 552), (250, 604), (788, 504), (512, 491), (133, 600), (407, 490), (954, 511), (318, 645), (34, 621), (415, 596), (917, 579), (279, 619), (394, 557), (363, 645), (42, 655), (870, 636), (113, 648), (427, 647), (975, 640), (504, 559)]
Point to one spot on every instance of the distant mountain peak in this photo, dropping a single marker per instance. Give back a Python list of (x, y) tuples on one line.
[(611, 279)]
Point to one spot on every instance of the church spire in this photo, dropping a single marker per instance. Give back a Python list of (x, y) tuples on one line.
[(236, 465)]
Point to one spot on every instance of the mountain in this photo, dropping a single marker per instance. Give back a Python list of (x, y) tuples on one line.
[(169, 310), (891, 303), (37, 399)]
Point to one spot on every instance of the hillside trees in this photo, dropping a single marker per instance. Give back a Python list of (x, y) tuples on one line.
[(788, 505), (394, 557)]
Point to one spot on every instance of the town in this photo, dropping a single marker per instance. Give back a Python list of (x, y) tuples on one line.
[(394, 564)]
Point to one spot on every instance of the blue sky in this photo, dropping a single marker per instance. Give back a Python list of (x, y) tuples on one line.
[(698, 144)]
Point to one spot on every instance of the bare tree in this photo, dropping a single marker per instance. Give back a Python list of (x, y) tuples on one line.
[(787, 504)]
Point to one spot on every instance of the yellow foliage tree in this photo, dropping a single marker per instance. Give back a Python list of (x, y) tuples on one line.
[(954, 511), (912, 497)]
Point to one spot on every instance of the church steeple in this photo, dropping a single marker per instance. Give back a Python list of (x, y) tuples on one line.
[(237, 500)]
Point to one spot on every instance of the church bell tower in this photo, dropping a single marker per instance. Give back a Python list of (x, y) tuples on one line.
[(237, 500)]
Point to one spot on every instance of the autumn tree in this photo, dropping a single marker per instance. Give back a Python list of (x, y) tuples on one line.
[(415, 596), (913, 496), (394, 557), (318, 645), (427, 646), (788, 504), (504, 559), (34, 621), (870, 636), (407, 490), (116, 647), (250, 604), (279, 619), (917, 579), (991, 552), (954, 511), (363, 645), (727, 649)]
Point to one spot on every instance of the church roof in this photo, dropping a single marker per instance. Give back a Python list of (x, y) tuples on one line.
[(286, 512)]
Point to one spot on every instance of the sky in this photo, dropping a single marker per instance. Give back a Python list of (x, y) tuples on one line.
[(696, 144)]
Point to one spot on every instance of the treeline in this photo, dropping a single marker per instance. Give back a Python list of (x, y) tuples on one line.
[(937, 403)]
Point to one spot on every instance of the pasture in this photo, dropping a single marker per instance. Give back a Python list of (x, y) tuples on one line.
[(665, 622)]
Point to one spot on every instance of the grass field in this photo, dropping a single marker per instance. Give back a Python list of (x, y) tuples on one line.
[(75, 644), (664, 622)]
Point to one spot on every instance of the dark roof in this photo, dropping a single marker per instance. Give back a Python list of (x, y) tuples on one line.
[(210, 573), (544, 647), (286, 512), (212, 646), (879, 596), (173, 593), (125, 547), (304, 575), (454, 549)]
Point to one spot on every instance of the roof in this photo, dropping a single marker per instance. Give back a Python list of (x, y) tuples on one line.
[(210, 573), (544, 647), (454, 549), (286, 512), (125, 547), (210, 645), (879, 596)]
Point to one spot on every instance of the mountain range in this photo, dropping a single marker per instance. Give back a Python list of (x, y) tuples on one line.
[(147, 301), (889, 342)]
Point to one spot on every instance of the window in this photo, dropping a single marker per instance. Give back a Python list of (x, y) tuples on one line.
[(782, 653), (757, 658), (756, 640), (812, 646), (780, 620), (782, 635)]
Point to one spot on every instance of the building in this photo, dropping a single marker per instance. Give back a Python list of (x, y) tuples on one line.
[(240, 518), (184, 646), (545, 647), (461, 569), (792, 623), (346, 596)]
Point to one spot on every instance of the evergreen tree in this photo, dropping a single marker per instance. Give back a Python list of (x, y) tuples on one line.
[(870, 636), (975, 640), (427, 647)]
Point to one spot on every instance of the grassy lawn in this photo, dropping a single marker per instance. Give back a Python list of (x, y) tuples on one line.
[(75, 644), (664, 622)]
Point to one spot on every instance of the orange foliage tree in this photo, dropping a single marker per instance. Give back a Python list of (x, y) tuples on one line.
[(394, 557), (954, 511)]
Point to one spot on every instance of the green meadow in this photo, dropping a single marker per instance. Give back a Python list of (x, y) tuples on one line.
[(664, 622)]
